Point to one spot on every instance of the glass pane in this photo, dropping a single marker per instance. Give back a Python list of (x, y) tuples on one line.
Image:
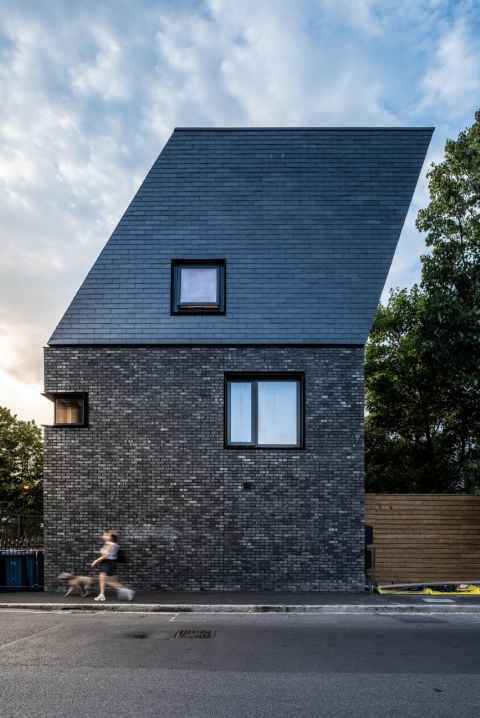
[(277, 413), (69, 411), (240, 412), (198, 285)]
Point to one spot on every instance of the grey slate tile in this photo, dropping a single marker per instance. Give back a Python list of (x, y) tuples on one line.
[(307, 220)]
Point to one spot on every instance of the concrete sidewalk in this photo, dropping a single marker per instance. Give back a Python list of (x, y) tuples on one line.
[(219, 602)]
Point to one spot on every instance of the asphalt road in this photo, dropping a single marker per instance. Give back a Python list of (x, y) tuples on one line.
[(251, 666)]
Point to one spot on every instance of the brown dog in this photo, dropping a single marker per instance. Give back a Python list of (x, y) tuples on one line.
[(83, 583)]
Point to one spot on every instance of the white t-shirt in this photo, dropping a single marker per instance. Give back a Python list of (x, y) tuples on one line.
[(110, 550)]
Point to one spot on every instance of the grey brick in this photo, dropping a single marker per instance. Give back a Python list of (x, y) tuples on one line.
[(152, 463)]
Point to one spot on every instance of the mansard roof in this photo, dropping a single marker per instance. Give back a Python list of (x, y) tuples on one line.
[(306, 219)]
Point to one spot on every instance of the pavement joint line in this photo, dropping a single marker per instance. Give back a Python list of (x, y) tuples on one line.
[(29, 637), (246, 608), (229, 613)]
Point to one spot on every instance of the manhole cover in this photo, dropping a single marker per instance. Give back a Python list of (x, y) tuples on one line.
[(194, 633), (137, 634)]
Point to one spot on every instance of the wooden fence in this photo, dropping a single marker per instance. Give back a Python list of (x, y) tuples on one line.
[(424, 537)]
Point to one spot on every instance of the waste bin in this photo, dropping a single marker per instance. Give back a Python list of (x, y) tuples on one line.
[(13, 571), (21, 569)]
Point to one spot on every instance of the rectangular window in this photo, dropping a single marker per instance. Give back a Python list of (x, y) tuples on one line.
[(241, 412), (70, 409), (264, 410), (198, 286), (278, 413)]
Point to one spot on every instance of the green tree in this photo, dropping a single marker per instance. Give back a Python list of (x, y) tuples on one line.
[(21, 460), (423, 355)]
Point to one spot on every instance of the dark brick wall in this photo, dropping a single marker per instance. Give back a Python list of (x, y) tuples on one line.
[(152, 463)]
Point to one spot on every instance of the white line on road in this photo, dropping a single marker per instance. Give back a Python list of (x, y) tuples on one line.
[(28, 638)]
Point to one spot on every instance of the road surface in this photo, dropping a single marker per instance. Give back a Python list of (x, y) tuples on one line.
[(249, 666)]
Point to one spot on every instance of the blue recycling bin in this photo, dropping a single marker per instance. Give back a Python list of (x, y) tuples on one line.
[(13, 571), (30, 570), (21, 569)]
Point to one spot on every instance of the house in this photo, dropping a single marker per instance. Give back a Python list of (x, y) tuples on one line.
[(207, 378)]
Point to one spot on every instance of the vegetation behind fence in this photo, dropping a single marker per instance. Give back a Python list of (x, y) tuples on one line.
[(20, 530)]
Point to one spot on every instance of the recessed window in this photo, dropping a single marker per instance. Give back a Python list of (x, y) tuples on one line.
[(198, 286), (70, 409), (264, 410)]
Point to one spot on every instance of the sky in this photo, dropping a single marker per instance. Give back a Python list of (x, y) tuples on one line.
[(90, 90)]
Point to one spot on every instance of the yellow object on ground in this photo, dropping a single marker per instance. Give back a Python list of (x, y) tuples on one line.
[(459, 590)]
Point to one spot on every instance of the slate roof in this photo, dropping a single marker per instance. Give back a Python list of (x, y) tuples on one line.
[(307, 220)]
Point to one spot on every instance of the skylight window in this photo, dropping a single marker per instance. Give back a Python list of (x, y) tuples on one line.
[(198, 286)]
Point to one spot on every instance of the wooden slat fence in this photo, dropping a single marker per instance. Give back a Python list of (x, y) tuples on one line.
[(424, 537)]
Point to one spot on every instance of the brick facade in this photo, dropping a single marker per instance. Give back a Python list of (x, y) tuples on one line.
[(192, 514)]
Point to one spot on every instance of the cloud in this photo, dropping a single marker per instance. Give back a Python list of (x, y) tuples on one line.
[(24, 399), (68, 168), (453, 80), (89, 93), (19, 389), (267, 63)]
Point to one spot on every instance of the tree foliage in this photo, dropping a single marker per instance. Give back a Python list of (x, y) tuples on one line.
[(423, 354), (21, 460)]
